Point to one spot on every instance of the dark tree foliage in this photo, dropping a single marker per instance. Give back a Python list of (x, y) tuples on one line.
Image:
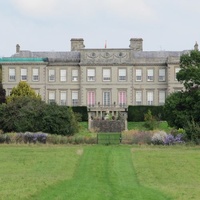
[(189, 74), (182, 109), (22, 114), (32, 114), (2, 94), (59, 120)]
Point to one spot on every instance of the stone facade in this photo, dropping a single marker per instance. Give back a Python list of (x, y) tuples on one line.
[(102, 79)]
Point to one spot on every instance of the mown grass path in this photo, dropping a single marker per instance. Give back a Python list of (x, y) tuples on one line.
[(103, 173)]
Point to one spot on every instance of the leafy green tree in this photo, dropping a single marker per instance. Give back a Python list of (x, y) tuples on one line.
[(189, 74), (2, 94), (22, 90), (31, 114), (22, 114), (182, 108), (59, 120)]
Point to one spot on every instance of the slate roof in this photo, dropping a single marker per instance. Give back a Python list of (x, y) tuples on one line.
[(71, 56)]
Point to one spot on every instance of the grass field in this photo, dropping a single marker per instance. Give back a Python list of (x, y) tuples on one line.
[(97, 172)]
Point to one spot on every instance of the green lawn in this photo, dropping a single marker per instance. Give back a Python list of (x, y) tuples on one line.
[(99, 172), (140, 126)]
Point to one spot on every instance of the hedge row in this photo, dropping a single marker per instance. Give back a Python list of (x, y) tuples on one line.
[(136, 113)]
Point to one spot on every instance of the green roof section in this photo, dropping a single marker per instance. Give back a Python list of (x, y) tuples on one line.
[(22, 60)]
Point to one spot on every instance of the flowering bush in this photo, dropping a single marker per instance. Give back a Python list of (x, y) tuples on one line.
[(159, 138), (170, 139)]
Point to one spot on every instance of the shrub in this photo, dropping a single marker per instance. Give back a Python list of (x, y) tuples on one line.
[(136, 137), (4, 138), (159, 138), (150, 121), (170, 139)]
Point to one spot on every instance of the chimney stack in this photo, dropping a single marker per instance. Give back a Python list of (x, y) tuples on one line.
[(77, 44), (136, 44), (17, 48), (196, 46)]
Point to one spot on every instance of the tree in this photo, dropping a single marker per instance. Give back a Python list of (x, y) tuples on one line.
[(59, 120), (31, 114), (182, 108), (189, 74), (22, 114), (22, 90), (2, 94)]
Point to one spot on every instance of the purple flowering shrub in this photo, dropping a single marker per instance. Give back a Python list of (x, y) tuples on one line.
[(170, 139), (34, 137)]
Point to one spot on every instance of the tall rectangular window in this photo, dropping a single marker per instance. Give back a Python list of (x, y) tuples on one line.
[(138, 73), (177, 69), (11, 74), (63, 98), (23, 74), (63, 75), (149, 74), (75, 75), (74, 98), (150, 98), (161, 75), (52, 75), (122, 74), (161, 97), (90, 74), (122, 98), (106, 98), (106, 74), (91, 98), (52, 97), (138, 97), (35, 74)]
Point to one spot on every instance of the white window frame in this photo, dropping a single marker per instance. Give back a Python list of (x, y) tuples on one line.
[(106, 74), (161, 97), (74, 74), (23, 74), (106, 98), (122, 98), (138, 97), (63, 75), (162, 75), (52, 75), (75, 100), (63, 98), (150, 98), (35, 76), (150, 74), (52, 97), (91, 98), (122, 74), (90, 74), (12, 74), (138, 74)]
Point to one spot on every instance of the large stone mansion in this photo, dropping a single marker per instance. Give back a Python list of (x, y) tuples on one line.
[(97, 78)]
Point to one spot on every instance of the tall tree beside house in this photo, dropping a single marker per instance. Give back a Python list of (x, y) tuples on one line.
[(23, 89), (182, 108), (189, 74)]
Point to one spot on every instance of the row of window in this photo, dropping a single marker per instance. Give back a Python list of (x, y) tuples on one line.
[(106, 100), (91, 74)]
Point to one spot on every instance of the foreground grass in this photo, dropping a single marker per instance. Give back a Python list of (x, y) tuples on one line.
[(99, 172), (174, 170), (25, 170), (105, 172)]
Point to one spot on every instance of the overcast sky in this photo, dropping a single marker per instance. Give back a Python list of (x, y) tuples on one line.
[(49, 25)]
